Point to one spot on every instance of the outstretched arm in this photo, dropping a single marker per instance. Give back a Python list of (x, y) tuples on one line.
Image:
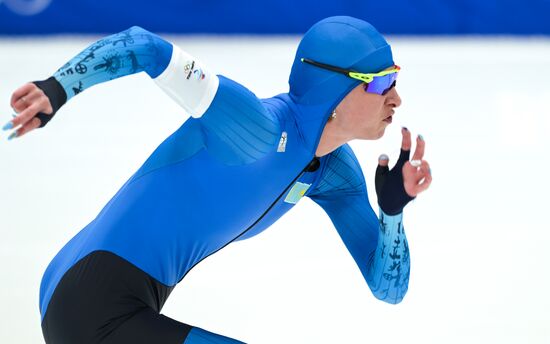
[(128, 52), (377, 244), (131, 51)]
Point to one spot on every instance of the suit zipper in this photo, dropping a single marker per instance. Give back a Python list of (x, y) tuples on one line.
[(313, 164)]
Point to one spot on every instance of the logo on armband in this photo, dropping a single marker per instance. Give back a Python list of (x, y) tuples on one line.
[(196, 74)]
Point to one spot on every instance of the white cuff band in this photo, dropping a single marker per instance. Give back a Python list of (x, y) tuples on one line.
[(188, 82)]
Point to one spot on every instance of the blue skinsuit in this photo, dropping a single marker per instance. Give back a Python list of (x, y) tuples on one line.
[(226, 163)]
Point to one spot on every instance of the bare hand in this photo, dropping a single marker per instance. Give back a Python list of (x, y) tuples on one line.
[(28, 101), (417, 175)]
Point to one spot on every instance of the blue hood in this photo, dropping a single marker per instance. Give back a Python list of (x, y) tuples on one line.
[(341, 41)]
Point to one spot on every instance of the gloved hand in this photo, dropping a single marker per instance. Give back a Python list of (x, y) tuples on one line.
[(35, 104), (395, 188)]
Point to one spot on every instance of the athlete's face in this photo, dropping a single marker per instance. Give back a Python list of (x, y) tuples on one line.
[(365, 116)]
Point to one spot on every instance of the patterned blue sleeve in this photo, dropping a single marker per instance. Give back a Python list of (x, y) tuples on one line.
[(128, 52), (234, 124), (378, 245)]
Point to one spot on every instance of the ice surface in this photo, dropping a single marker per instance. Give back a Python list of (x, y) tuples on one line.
[(479, 237)]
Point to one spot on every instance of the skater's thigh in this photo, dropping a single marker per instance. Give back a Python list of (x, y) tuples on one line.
[(148, 326)]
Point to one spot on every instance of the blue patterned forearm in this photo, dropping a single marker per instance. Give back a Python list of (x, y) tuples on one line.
[(128, 52), (389, 265)]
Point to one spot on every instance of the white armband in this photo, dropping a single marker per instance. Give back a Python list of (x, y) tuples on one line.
[(188, 82)]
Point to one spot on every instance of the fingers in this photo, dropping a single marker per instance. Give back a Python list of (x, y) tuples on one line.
[(420, 146), (23, 119), (405, 148), (406, 142), (423, 185), (26, 115), (417, 179), (383, 160), (31, 125), (403, 158), (404, 155), (18, 98), (422, 171), (419, 172), (27, 100), (38, 103), (381, 172)]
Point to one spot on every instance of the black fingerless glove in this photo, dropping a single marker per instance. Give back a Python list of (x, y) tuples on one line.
[(392, 197), (55, 93)]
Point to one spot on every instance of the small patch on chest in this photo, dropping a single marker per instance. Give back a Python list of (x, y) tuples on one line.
[(297, 192)]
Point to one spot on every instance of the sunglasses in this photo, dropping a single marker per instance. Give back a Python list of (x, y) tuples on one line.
[(378, 83)]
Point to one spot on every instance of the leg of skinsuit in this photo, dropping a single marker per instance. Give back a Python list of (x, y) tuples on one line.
[(200, 336)]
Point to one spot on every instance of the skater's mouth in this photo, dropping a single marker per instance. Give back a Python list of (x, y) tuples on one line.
[(389, 118)]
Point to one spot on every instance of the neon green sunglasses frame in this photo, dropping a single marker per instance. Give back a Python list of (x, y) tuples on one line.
[(365, 77)]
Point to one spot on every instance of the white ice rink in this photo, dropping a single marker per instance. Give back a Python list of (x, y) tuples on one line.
[(479, 237)]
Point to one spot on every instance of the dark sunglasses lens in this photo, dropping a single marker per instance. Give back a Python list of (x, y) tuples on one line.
[(381, 84), (389, 88)]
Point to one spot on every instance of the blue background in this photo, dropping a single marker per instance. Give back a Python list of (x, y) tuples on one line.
[(275, 16)]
